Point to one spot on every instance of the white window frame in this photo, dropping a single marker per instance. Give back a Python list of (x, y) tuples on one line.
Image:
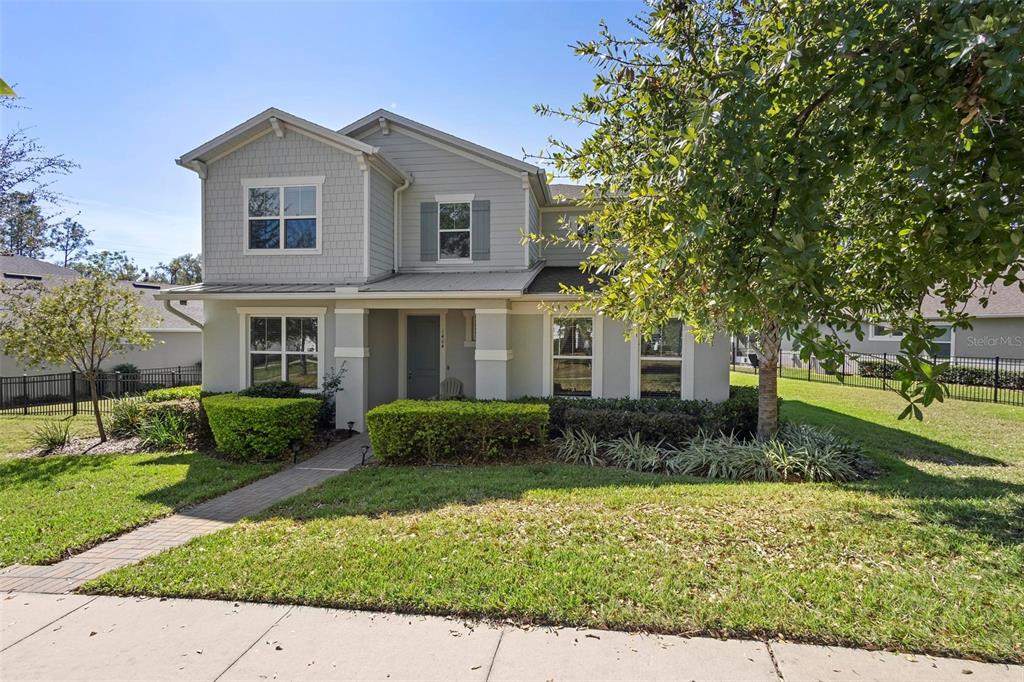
[(244, 327), (442, 199), (660, 358), (281, 184), (596, 331), (891, 336)]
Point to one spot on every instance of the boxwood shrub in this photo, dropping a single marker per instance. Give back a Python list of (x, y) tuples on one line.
[(252, 429), (429, 431), (159, 395), (655, 419)]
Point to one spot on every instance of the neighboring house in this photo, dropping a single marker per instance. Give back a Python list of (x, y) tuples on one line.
[(176, 342), (997, 329), (395, 251)]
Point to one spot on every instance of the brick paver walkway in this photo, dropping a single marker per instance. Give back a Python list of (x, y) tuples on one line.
[(202, 519)]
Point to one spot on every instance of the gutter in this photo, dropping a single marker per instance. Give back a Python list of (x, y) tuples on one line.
[(397, 215), (171, 309)]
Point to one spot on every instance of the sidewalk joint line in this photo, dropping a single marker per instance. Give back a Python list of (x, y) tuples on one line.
[(490, 667), (254, 643), (775, 662), (40, 629)]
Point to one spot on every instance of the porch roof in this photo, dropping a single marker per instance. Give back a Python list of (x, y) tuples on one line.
[(510, 282)]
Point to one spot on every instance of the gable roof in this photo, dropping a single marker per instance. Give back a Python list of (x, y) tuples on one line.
[(276, 120), (537, 174)]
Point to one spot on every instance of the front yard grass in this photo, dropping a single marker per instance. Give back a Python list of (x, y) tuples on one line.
[(51, 506), (16, 430), (927, 558)]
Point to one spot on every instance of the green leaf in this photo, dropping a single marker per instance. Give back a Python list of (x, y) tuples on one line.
[(6, 90)]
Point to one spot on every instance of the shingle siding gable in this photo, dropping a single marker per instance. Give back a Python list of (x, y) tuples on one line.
[(438, 171), (294, 155)]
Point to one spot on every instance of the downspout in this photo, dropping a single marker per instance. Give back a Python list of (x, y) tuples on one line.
[(397, 211), (171, 309)]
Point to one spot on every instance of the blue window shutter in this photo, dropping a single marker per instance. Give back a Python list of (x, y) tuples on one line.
[(428, 231), (482, 230)]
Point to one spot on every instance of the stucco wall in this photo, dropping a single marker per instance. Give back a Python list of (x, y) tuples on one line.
[(169, 349), (221, 342), (294, 155), (527, 341), (383, 374), (616, 362), (459, 358)]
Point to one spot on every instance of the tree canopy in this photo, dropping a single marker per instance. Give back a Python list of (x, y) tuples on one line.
[(803, 166), (80, 322)]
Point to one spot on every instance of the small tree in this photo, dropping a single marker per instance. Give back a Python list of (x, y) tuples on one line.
[(81, 323), (70, 242)]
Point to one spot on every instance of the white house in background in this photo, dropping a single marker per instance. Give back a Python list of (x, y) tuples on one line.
[(396, 251), (176, 341)]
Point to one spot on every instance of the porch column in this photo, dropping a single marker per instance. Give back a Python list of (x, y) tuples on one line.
[(352, 352), (493, 353)]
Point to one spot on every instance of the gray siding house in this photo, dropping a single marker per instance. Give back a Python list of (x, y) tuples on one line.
[(175, 341), (396, 252), (997, 329)]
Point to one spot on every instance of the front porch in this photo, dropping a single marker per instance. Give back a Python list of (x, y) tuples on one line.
[(406, 352)]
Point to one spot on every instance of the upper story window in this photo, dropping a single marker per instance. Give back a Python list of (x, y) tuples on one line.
[(454, 230), (661, 362), (283, 215)]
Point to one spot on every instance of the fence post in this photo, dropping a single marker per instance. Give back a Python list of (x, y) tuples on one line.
[(995, 383), (177, 377), (884, 371), (24, 393), (74, 393)]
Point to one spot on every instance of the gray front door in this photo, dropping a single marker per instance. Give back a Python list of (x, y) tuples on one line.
[(423, 356)]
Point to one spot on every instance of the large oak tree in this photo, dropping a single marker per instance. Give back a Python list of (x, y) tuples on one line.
[(803, 166)]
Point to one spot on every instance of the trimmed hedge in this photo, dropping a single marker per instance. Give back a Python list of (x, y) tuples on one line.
[(251, 429), (956, 374), (160, 395), (272, 389), (428, 431), (655, 419)]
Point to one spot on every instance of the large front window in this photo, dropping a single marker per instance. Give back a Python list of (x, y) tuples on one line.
[(661, 362), (572, 356), (454, 230), (282, 218), (284, 348)]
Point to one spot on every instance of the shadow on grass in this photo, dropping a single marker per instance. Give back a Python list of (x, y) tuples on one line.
[(991, 508)]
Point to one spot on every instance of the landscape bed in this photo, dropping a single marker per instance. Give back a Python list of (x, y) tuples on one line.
[(547, 543)]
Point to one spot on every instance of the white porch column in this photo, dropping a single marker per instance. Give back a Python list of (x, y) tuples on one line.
[(493, 353), (351, 336)]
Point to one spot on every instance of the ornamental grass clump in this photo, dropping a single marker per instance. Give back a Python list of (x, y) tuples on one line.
[(798, 453)]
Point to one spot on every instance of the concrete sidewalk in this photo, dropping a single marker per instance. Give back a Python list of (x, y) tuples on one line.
[(177, 529), (78, 637)]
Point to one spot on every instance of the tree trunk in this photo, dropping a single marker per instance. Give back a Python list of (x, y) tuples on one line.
[(768, 381), (94, 396)]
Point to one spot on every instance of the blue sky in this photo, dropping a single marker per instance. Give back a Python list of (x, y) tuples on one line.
[(124, 89)]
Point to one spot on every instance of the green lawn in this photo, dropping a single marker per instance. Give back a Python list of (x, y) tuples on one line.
[(928, 558), (50, 506), (16, 431)]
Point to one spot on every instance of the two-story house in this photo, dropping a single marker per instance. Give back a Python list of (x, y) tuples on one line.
[(397, 251)]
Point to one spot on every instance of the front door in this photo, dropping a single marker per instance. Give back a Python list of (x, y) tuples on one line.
[(423, 356)]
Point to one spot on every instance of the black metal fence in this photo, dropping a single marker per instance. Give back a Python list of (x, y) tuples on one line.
[(67, 393), (991, 380)]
